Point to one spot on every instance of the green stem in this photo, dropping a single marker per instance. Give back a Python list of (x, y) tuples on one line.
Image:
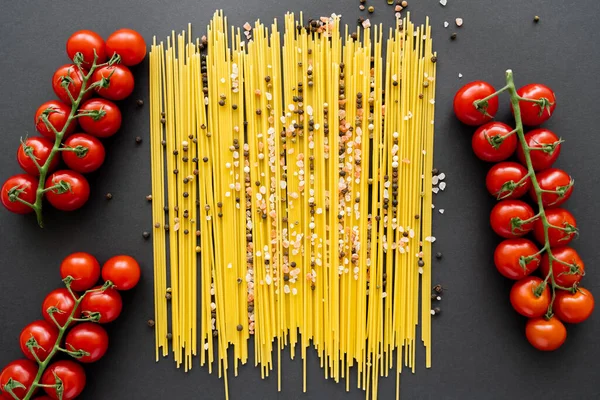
[(61, 332), (37, 205), (514, 99)]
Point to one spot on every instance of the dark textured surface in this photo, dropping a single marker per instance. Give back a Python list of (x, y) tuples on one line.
[(479, 348)]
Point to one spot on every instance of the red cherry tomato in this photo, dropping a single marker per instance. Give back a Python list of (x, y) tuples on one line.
[(40, 148), (58, 114), (89, 337), (88, 162), (64, 302), (72, 197), (463, 103), (120, 84), (562, 235), (83, 268), (72, 376), (541, 139), (507, 216), (127, 43), (564, 275), (573, 308), (487, 144), (86, 42), (553, 179), (45, 335), (22, 186), (105, 125), (510, 258), (531, 113), (123, 271), (530, 297), (545, 335), (505, 180), (68, 73), (22, 371), (108, 303)]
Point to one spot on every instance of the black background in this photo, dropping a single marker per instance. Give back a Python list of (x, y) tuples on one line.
[(479, 348)]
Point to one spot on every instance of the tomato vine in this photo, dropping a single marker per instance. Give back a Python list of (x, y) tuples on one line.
[(14, 193)]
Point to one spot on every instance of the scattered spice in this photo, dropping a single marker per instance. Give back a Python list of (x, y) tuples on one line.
[(151, 323), (138, 139), (139, 102), (240, 328), (149, 197), (453, 36), (438, 255), (108, 196), (536, 19), (146, 235), (371, 9)]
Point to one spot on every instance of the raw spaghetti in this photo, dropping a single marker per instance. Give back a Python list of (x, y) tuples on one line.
[(291, 196)]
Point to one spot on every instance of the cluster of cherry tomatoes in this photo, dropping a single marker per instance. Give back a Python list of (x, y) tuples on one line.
[(86, 341), (68, 84), (555, 297)]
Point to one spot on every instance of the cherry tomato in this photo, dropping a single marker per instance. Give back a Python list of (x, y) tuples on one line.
[(120, 84), (573, 308), (44, 333), (541, 139), (88, 162), (89, 337), (485, 143), (64, 302), (83, 268), (58, 114), (40, 148), (127, 43), (22, 371), (72, 376), (463, 103), (123, 271), (509, 253), (553, 179), (502, 179), (507, 216), (75, 83), (108, 303), (531, 113), (545, 335), (86, 42), (69, 198), (561, 236), (23, 186), (564, 275), (107, 124), (527, 298)]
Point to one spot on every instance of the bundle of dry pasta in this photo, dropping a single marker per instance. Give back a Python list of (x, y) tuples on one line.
[(297, 208)]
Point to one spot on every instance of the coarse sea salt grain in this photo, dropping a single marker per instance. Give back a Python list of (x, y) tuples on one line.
[(460, 75), (442, 185), (441, 210), (443, 2), (446, 24), (435, 190), (442, 176), (435, 180)]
